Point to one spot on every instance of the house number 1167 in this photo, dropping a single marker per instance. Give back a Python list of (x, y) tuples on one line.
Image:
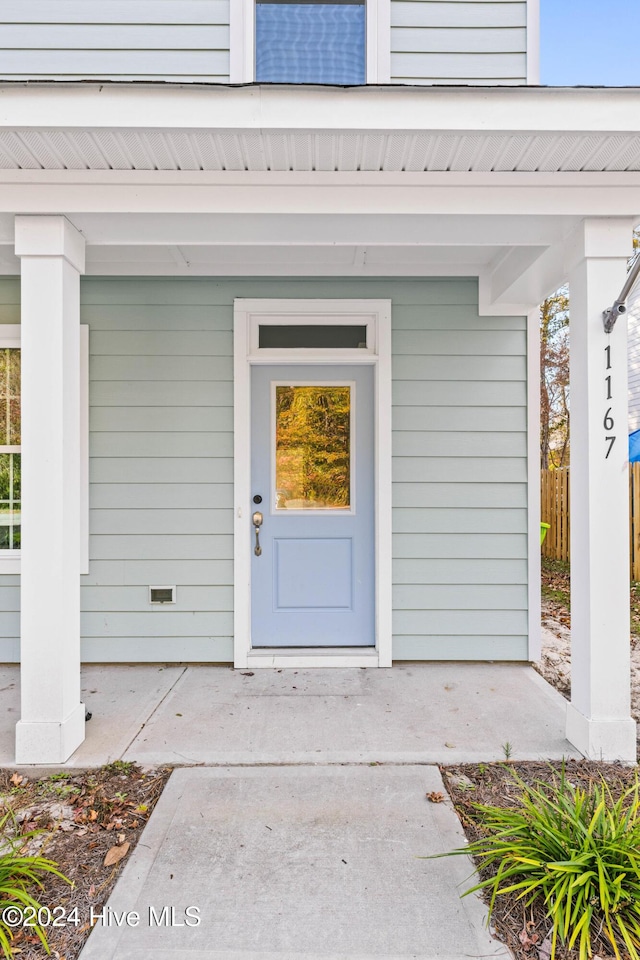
[(608, 423)]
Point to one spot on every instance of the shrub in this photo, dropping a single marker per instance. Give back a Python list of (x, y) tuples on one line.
[(577, 849), (19, 874)]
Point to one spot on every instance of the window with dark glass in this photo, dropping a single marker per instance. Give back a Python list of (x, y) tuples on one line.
[(9, 448), (310, 42)]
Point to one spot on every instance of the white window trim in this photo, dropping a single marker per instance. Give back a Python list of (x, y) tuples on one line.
[(379, 313), (10, 560), (242, 26)]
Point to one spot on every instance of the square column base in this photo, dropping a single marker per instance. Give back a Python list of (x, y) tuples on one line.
[(50, 741), (606, 740)]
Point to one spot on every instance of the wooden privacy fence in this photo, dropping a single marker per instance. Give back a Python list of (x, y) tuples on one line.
[(554, 510)]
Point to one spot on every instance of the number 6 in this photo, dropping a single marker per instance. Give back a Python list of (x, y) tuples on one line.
[(608, 420)]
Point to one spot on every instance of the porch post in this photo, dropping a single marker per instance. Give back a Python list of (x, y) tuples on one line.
[(598, 718), (52, 717)]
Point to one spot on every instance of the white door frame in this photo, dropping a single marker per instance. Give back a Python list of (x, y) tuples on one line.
[(248, 314)]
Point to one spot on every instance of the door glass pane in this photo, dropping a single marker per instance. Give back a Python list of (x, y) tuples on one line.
[(313, 448)]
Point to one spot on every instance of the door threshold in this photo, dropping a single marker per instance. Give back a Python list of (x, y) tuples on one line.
[(307, 657)]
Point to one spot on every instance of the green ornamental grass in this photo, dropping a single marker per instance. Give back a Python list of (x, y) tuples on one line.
[(578, 850), (19, 874)]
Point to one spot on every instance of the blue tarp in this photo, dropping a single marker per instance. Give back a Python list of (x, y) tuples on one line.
[(634, 446)]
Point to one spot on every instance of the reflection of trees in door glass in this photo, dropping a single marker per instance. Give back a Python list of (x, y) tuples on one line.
[(313, 447)]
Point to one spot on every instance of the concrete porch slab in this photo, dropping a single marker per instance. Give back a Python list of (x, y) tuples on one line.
[(412, 713), (120, 698), (298, 863)]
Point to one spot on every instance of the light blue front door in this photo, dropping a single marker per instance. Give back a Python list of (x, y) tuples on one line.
[(312, 480)]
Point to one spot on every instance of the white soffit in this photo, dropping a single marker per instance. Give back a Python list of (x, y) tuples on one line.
[(325, 151)]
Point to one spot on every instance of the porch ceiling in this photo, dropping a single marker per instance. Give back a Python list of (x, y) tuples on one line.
[(212, 180), (325, 151)]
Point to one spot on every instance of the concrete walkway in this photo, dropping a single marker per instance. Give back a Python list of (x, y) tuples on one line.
[(299, 833), (296, 863)]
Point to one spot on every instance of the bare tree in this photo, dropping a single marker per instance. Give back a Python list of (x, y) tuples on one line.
[(554, 380)]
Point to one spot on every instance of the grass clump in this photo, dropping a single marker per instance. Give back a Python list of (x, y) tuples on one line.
[(578, 850), (19, 874)]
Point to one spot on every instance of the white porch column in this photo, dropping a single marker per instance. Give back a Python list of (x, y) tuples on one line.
[(598, 717), (52, 718)]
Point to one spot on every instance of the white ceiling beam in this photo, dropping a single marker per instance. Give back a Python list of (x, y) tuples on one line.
[(357, 197), (272, 229)]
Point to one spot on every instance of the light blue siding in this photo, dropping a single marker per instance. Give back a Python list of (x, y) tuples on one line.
[(432, 41), (461, 41), (181, 40), (161, 468)]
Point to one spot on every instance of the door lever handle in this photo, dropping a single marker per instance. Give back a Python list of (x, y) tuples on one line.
[(257, 519)]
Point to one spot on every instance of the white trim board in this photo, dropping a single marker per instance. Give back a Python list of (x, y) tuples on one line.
[(533, 483), (378, 312)]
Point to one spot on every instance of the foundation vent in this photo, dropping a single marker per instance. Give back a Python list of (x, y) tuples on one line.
[(162, 594)]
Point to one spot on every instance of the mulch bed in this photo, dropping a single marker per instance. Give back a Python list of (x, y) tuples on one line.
[(86, 819), (525, 930)]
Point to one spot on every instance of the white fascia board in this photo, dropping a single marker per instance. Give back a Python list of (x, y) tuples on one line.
[(559, 195), (385, 107)]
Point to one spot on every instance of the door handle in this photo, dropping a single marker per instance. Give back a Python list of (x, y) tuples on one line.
[(257, 519)]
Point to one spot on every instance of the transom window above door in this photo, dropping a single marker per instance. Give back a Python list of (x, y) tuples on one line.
[(310, 41)]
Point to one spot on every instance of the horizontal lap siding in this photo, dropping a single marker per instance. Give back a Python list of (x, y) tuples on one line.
[(115, 39), (161, 467), (464, 42), (459, 493)]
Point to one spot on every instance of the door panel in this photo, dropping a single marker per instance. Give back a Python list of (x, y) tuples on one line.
[(312, 465)]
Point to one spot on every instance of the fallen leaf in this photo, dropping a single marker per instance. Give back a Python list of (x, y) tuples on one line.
[(528, 940), (93, 815), (116, 854), (121, 838), (92, 890), (16, 779), (435, 796), (544, 952)]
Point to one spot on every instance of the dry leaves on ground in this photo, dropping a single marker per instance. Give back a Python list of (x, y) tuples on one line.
[(90, 823)]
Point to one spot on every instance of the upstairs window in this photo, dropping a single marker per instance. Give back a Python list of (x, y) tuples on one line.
[(310, 42)]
